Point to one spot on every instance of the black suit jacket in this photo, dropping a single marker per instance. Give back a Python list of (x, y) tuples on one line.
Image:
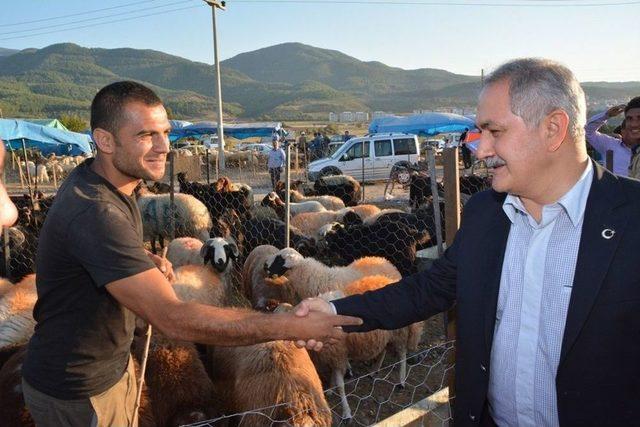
[(598, 378)]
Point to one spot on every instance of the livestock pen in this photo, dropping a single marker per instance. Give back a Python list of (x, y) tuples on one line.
[(400, 227)]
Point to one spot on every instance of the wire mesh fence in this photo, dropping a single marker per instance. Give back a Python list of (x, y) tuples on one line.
[(373, 396), (336, 220)]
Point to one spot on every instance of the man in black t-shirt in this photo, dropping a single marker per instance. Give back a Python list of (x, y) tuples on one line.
[(94, 276)]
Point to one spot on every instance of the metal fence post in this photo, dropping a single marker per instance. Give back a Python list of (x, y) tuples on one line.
[(609, 160), (5, 243), (206, 153), (172, 220), (452, 224), (287, 189), (26, 167), (362, 184)]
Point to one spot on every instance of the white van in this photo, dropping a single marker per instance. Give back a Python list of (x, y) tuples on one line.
[(381, 153)]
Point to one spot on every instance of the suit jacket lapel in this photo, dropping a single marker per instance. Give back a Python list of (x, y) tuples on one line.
[(595, 252), (492, 253)]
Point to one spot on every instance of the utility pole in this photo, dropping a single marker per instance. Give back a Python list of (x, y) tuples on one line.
[(482, 77), (218, 4)]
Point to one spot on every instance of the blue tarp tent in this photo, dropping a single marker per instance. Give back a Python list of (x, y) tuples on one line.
[(48, 140), (428, 124), (236, 130), (179, 124)]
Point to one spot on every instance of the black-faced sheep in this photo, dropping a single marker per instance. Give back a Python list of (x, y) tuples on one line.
[(191, 217), (420, 190), (256, 232), (218, 203), (265, 375), (262, 291), (308, 277), (343, 186), (394, 241), (207, 284)]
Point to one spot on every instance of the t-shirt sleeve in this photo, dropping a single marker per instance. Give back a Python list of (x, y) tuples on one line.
[(105, 242)]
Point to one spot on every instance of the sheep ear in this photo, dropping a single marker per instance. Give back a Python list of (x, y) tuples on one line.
[(205, 253), (234, 250)]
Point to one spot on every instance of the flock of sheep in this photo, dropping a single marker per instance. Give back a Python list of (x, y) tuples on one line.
[(229, 251)]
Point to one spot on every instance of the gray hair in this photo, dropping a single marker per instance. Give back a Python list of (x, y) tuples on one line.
[(539, 86)]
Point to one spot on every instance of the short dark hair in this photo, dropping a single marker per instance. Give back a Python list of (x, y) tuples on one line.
[(634, 103), (109, 102)]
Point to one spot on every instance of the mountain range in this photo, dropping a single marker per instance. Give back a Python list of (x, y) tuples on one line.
[(290, 81)]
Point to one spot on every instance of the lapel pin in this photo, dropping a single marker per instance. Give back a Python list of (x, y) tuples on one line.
[(608, 233)]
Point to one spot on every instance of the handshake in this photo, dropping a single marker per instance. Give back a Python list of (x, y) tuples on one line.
[(316, 324)]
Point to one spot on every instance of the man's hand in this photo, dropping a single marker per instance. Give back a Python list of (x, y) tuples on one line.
[(163, 264), (311, 305), (614, 111), (316, 328)]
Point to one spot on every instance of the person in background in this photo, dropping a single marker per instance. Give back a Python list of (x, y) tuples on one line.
[(543, 271), (630, 133), (275, 162), (8, 211), (346, 136), (466, 152)]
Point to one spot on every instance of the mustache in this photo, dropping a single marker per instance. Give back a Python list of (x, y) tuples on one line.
[(494, 162)]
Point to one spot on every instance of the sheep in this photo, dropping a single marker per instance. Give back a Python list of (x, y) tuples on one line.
[(22, 245), (177, 387), (420, 189), (259, 289), (255, 232), (202, 283), (184, 251), (16, 308), (191, 217), (329, 202), (366, 346), (218, 203), (394, 241), (308, 277), (266, 375), (422, 220), (273, 201), (343, 186)]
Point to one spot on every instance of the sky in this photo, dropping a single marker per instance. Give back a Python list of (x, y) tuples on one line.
[(598, 39)]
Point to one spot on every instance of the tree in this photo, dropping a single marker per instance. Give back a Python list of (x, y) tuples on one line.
[(74, 122)]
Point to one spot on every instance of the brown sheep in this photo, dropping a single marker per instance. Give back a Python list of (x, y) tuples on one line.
[(178, 388), (259, 289), (16, 308), (264, 375)]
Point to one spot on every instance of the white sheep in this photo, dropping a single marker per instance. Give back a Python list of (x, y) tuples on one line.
[(185, 251), (266, 375), (308, 277), (192, 218), (16, 311), (331, 203), (273, 201)]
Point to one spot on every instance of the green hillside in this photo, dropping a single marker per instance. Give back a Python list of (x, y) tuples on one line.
[(290, 81)]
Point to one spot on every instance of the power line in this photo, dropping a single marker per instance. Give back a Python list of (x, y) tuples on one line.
[(103, 23), (437, 3), (82, 21), (88, 12)]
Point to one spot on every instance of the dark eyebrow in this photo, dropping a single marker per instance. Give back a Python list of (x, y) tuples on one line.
[(147, 131), (488, 123)]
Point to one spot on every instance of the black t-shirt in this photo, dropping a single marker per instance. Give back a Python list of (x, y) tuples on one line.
[(92, 236)]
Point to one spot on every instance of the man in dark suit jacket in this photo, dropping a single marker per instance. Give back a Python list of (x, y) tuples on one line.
[(543, 269)]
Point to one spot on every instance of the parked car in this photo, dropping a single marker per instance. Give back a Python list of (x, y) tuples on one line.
[(260, 148), (375, 155)]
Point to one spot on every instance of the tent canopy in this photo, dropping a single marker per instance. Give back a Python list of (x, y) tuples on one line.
[(428, 124), (48, 140), (235, 130), (51, 123)]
